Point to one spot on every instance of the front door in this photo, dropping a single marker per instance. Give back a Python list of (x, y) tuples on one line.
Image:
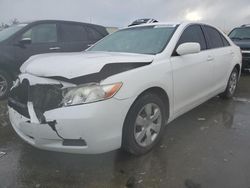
[(192, 72), (43, 40)]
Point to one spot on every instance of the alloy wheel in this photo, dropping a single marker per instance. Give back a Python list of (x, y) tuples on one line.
[(148, 124), (233, 82)]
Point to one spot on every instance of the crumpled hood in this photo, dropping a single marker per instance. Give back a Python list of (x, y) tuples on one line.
[(71, 65)]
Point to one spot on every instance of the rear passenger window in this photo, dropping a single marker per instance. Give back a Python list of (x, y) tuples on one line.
[(73, 33), (224, 40), (193, 34), (214, 37), (93, 35)]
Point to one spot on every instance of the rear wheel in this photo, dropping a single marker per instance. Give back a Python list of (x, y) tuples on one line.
[(5, 84), (144, 124), (231, 85)]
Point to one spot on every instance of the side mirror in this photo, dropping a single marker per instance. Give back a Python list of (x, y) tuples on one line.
[(25, 41), (188, 48)]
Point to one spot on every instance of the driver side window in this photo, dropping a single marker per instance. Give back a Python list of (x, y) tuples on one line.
[(43, 33), (193, 33)]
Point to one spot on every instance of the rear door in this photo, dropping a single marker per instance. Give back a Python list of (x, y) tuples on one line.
[(44, 39), (223, 56), (192, 72), (73, 37)]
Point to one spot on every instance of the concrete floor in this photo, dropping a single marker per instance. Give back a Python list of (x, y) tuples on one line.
[(208, 147)]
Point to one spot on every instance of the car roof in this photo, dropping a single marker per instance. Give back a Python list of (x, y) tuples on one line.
[(157, 23), (171, 24), (242, 26), (168, 23), (245, 25), (61, 21)]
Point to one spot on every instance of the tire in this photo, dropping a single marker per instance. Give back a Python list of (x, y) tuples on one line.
[(5, 84), (231, 85), (142, 131)]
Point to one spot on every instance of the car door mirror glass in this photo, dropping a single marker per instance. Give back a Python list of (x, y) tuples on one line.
[(188, 48), (25, 41)]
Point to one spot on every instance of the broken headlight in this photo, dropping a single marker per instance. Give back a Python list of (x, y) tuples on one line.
[(88, 93)]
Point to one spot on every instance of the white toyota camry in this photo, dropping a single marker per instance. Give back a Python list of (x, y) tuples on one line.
[(123, 90)]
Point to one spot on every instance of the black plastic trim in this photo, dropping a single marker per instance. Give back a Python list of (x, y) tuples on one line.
[(107, 71), (74, 142)]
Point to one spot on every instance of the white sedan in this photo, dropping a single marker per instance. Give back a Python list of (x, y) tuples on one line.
[(123, 90)]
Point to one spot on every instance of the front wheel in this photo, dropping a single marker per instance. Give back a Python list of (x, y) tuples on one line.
[(144, 124), (231, 85)]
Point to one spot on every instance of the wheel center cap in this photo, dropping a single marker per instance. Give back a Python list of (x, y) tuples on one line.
[(148, 122)]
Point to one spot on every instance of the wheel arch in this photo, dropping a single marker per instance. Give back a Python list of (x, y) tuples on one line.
[(162, 94), (159, 92), (154, 90), (238, 67)]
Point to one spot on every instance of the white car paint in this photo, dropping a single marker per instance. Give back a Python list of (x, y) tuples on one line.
[(77, 64), (188, 80)]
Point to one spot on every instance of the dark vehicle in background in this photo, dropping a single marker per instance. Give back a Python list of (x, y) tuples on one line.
[(19, 42), (241, 37), (143, 21)]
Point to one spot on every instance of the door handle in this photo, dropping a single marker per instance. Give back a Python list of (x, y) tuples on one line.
[(55, 48), (210, 58)]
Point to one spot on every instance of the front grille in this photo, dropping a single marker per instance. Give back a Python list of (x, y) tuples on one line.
[(44, 98), (245, 48), (246, 55)]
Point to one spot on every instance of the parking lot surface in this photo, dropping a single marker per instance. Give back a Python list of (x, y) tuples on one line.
[(208, 147)]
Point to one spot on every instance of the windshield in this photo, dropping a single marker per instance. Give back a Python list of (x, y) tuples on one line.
[(142, 40), (6, 33), (240, 33)]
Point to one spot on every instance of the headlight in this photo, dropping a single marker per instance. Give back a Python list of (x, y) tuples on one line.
[(89, 93)]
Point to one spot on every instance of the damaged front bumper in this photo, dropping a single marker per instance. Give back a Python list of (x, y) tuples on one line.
[(39, 119)]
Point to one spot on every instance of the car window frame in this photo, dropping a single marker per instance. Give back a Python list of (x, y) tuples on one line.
[(88, 35), (164, 47), (237, 28), (225, 39), (60, 27), (232, 31), (174, 53), (207, 37), (19, 37)]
